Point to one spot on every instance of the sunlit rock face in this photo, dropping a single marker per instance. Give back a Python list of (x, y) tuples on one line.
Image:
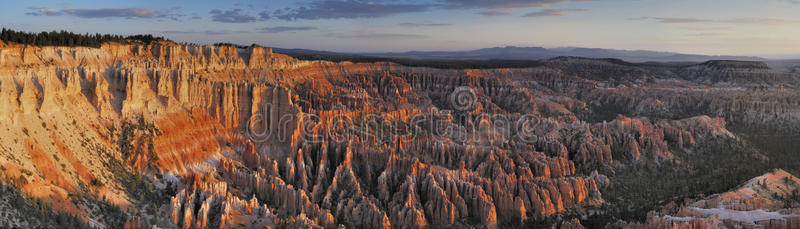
[(244, 137)]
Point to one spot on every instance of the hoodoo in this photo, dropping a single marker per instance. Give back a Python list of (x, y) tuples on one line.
[(152, 133)]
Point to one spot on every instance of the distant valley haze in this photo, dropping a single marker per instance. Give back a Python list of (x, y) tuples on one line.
[(540, 53)]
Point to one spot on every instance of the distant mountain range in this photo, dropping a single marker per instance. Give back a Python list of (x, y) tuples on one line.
[(538, 53)]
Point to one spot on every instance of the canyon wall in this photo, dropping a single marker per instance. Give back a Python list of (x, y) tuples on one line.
[(251, 138)]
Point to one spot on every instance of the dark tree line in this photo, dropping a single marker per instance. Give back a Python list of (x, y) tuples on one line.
[(234, 45), (459, 63), (65, 38)]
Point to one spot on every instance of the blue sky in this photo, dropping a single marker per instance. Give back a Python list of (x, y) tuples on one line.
[(719, 27)]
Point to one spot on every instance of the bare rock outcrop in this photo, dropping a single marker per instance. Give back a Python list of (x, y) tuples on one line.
[(256, 139)]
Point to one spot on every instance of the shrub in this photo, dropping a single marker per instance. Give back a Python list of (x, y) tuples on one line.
[(96, 182)]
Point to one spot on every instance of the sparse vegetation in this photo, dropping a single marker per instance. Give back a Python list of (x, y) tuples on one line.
[(638, 189), (133, 135), (35, 212), (141, 189)]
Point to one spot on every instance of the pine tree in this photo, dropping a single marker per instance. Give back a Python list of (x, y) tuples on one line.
[(65, 38)]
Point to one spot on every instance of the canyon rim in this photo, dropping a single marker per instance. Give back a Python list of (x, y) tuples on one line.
[(187, 128)]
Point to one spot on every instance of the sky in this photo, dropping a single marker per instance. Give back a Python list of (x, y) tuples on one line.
[(767, 28)]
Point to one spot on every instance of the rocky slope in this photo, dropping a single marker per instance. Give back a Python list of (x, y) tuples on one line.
[(767, 201), (219, 136)]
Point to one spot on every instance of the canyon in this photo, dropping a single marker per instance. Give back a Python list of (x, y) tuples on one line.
[(180, 135)]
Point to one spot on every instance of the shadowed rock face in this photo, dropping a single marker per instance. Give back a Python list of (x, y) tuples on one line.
[(251, 138)]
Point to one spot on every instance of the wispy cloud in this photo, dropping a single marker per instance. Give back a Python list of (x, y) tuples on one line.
[(40, 11), (231, 16), (708, 34), (206, 32), (127, 13), (705, 28), (115, 12), (789, 1), (178, 32), (264, 15), (502, 4), (758, 21), (281, 29), (411, 24), (347, 9), (492, 13), (553, 12), (374, 35), (224, 32), (354, 9), (676, 20)]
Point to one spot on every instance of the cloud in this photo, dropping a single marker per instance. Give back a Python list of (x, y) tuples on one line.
[(224, 32), (372, 35), (761, 21), (127, 13), (708, 34), (716, 28), (207, 32), (502, 4), (178, 32), (758, 21), (553, 12), (264, 15), (411, 24), (354, 9), (676, 20), (492, 13), (281, 29), (347, 9), (504, 7), (278, 29), (39, 11), (115, 12), (231, 16)]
